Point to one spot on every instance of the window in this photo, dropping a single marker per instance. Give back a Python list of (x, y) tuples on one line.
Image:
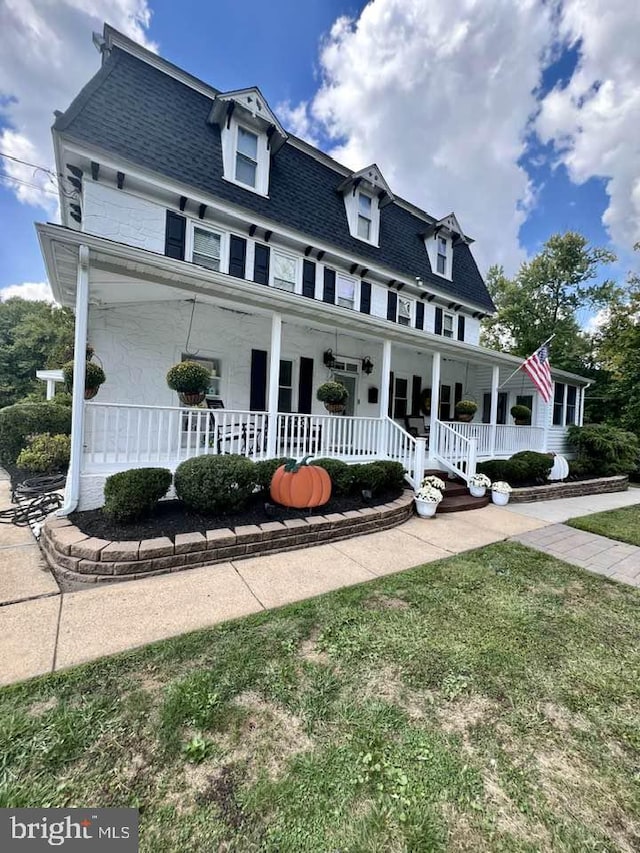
[(447, 325), (207, 248), (441, 260), (445, 403), (558, 404), (246, 157), (285, 387), (284, 271), (572, 395), (404, 311), (346, 288), (364, 216), (400, 397)]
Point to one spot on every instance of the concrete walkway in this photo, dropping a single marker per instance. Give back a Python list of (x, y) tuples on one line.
[(43, 630)]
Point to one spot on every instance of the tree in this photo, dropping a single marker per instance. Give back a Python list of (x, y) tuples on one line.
[(33, 335), (544, 298)]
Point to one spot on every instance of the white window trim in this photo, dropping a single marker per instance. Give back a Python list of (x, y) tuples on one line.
[(229, 137), (294, 381), (453, 325), (298, 270), (207, 226), (356, 290), (352, 208), (431, 245), (412, 312)]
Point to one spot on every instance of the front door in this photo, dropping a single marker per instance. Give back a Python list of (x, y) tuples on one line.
[(350, 382)]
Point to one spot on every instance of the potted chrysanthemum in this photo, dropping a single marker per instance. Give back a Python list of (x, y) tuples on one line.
[(478, 485), (191, 380), (334, 395), (427, 499), (500, 493), (94, 377), (434, 482), (465, 410)]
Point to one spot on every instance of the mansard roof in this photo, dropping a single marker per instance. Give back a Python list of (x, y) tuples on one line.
[(133, 109)]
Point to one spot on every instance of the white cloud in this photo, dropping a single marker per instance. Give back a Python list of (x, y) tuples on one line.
[(297, 120), (441, 99), (597, 321), (46, 55), (593, 122), (34, 291)]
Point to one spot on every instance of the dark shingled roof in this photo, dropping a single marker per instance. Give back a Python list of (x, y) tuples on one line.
[(136, 111)]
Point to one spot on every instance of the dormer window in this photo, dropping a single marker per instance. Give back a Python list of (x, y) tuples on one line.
[(246, 157), (364, 216), (441, 262)]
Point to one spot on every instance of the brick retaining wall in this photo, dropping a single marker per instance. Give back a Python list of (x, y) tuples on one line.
[(574, 489), (75, 556)]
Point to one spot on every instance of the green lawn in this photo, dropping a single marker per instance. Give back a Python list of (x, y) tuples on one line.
[(486, 702), (622, 524)]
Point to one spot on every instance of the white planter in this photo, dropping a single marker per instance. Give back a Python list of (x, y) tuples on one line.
[(426, 509), (477, 491), (500, 498)]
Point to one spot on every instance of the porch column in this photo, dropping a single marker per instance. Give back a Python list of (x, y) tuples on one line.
[(435, 402), (493, 417), (385, 378), (72, 488), (274, 381)]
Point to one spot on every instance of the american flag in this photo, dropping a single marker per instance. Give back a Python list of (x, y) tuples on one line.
[(538, 368)]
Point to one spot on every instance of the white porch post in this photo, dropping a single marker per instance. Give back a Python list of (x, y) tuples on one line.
[(385, 378), (435, 402), (493, 417), (581, 392), (274, 381), (72, 489)]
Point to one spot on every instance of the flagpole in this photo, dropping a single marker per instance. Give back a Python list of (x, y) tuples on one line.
[(520, 367)]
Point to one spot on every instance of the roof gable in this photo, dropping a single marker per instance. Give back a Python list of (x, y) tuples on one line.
[(253, 103)]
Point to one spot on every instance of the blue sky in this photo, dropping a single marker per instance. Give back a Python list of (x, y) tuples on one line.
[(496, 116)]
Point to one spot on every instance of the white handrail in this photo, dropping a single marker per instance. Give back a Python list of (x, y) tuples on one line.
[(454, 450), (508, 439), (401, 446)]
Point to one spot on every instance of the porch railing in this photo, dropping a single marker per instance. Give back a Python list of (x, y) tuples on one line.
[(454, 450), (329, 436), (508, 439)]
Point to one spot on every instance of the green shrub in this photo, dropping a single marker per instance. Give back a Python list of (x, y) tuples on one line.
[(608, 450), (94, 375), (395, 472), (133, 494), (371, 476), (264, 471), (189, 377), (535, 467), (495, 469), (579, 468), (341, 475), (24, 419), (216, 484), (45, 454)]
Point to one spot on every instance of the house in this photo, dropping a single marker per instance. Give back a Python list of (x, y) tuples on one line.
[(194, 226)]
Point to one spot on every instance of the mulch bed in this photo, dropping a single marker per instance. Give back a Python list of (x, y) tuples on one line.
[(171, 517)]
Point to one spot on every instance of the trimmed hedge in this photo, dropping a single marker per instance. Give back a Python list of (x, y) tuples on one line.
[(216, 484), (21, 420), (133, 494), (45, 454), (526, 468), (264, 470), (373, 476), (342, 477), (605, 450)]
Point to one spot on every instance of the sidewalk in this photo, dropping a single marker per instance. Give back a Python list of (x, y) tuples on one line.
[(43, 630)]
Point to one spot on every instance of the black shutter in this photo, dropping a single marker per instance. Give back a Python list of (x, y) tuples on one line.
[(258, 394), (365, 297), (329, 293), (419, 315), (237, 256), (392, 305), (261, 264), (416, 388), (460, 328), (305, 386), (392, 386), (309, 280), (438, 325), (174, 234), (457, 392)]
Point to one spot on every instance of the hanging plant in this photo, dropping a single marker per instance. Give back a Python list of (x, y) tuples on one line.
[(299, 485), (334, 395), (521, 415), (191, 380), (94, 377), (465, 410)]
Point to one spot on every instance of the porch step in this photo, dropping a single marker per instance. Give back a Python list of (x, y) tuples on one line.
[(461, 503)]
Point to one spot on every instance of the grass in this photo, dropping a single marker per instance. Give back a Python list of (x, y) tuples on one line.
[(486, 702), (622, 524)]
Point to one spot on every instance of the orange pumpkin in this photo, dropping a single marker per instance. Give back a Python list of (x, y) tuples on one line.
[(299, 485)]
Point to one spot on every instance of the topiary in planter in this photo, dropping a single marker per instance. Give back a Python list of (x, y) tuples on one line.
[(334, 395), (133, 494), (521, 415), (93, 379), (465, 410), (216, 484), (191, 380)]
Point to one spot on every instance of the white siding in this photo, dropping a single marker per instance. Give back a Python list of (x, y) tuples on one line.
[(118, 215)]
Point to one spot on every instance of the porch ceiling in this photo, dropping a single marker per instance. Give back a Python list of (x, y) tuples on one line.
[(122, 274)]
